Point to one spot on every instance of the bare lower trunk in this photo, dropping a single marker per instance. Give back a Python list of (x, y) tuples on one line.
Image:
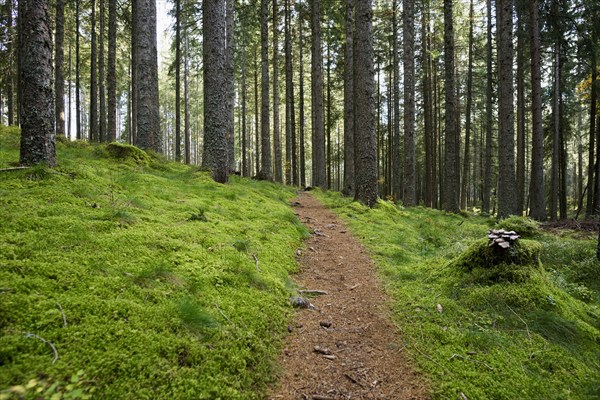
[(59, 74), (265, 160), (349, 184), (408, 15), (276, 133), (111, 74), (319, 177)]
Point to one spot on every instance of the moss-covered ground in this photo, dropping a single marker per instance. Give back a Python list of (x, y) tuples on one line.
[(136, 278), (531, 338)]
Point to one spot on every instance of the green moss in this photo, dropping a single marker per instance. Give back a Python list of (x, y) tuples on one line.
[(127, 152), (525, 227)]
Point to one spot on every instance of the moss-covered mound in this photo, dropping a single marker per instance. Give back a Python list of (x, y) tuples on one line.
[(126, 152), (492, 264), (525, 227)]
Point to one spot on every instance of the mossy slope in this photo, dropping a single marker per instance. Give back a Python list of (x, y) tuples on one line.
[(536, 338), (105, 261)]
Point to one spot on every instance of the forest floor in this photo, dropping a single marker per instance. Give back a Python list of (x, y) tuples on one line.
[(345, 345)]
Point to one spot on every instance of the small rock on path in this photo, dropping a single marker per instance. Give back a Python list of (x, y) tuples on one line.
[(347, 347)]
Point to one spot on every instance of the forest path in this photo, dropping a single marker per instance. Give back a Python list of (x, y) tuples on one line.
[(359, 355)]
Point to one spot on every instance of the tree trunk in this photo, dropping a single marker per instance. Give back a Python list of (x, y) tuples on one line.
[(186, 101), (507, 185), (536, 190), (147, 134), (291, 160), (301, 104), (257, 140), (229, 83), (10, 113), (364, 113), (349, 179), (244, 133), (427, 109), (451, 178), (79, 134), (111, 74), (265, 166), (467, 154), (276, 133), (395, 151), (328, 120), (487, 173), (319, 177), (555, 137), (101, 73), (408, 17), (177, 80), (37, 119), (94, 136), (215, 91), (59, 74)]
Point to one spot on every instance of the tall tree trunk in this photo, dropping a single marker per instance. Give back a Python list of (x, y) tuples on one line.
[(520, 112), (215, 90), (177, 80), (147, 134), (290, 125), (590, 211), (467, 153), (328, 120), (94, 79), (244, 93), (451, 178), (265, 165), (229, 83), (101, 73), (9, 71), (507, 185), (79, 134), (111, 73), (276, 133), (37, 119), (396, 155), (427, 109), (364, 113), (349, 185), (59, 74), (408, 31), (536, 190), (487, 173), (257, 140), (555, 136), (186, 101), (302, 155), (319, 177)]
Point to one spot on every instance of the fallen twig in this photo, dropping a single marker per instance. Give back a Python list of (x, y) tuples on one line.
[(470, 359), (316, 292), (34, 336), (255, 257), (62, 313), (321, 397), (522, 320), (13, 169)]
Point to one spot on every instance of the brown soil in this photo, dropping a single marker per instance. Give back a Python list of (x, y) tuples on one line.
[(363, 356)]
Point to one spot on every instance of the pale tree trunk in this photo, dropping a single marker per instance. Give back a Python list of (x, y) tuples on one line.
[(349, 184), (257, 141), (229, 83), (35, 77), (319, 176), (186, 102), (487, 173), (451, 178), (276, 133), (364, 113), (177, 80), (215, 91), (111, 74), (302, 155), (101, 77), (59, 73), (536, 190), (265, 160), (79, 133), (245, 171), (507, 185), (467, 154), (408, 30), (94, 80), (147, 134)]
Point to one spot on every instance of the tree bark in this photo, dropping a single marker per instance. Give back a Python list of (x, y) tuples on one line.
[(10, 113), (487, 173), (147, 118), (178, 80), (467, 154), (520, 204), (101, 77), (265, 161), (37, 119), (111, 74), (229, 83), (364, 112), (319, 176), (536, 190), (257, 141), (186, 101), (349, 178), (427, 108), (408, 17), (590, 211), (555, 135), (451, 178), (290, 125), (302, 154), (244, 95), (94, 134), (276, 133), (59, 73), (79, 133)]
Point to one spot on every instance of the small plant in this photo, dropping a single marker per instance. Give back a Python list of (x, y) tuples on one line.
[(243, 245), (199, 216)]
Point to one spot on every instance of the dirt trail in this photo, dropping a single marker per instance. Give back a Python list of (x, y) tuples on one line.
[(360, 352)]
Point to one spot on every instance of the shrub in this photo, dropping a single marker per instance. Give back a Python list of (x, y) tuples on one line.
[(126, 152), (525, 227)]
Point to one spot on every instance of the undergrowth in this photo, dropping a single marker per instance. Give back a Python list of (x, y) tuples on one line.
[(536, 337), (139, 280)]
